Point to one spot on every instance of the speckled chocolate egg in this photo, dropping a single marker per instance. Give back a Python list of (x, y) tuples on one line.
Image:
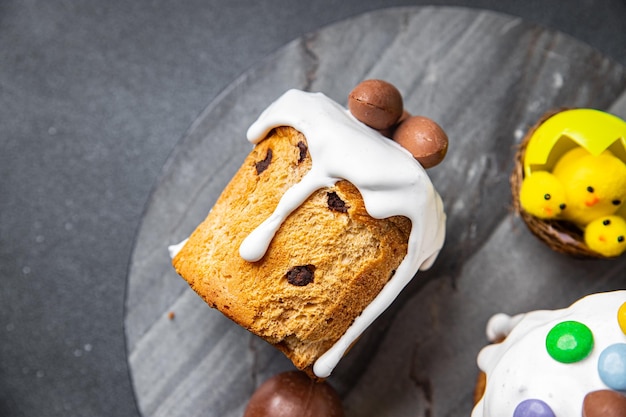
[(424, 138), (294, 394), (376, 103)]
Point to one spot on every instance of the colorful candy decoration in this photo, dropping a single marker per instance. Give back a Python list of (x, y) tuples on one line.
[(604, 403), (533, 408), (569, 342), (583, 354), (621, 317), (612, 366)]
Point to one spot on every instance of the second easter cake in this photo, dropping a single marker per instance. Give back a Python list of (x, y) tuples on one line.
[(556, 363)]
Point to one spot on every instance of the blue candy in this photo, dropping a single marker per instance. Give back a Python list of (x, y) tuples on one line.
[(612, 366)]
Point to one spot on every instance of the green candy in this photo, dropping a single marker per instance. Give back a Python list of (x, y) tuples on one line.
[(569, 342)]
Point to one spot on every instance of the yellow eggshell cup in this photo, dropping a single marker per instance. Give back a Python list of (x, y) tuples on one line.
[(594, 130)]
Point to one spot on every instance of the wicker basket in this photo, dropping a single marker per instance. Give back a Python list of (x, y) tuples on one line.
[(560, 236)]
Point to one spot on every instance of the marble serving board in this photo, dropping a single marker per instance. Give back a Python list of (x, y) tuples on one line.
[(485, 78)]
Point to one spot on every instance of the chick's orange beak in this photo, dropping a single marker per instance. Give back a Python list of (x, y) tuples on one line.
[(592, 201)]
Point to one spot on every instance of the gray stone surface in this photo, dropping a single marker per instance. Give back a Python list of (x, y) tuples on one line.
[(485, 78)]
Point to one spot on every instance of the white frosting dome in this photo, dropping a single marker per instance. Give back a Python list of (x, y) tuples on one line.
[(390, 180), (521, 368)]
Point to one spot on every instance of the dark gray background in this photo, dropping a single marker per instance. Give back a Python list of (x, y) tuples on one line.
[(94, 96)]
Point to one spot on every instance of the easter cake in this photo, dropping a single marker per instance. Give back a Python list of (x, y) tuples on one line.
[(569, 182), (323, 225), (568, 362)]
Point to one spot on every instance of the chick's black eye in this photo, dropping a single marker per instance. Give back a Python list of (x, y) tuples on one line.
[(606, 222), (547, 196), (616, 202), (590, 189), (620, 239), (562, 206)]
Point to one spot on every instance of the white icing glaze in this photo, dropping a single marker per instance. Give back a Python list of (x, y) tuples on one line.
[(500, 325), (174, 249), (520, 367), (390, 180)]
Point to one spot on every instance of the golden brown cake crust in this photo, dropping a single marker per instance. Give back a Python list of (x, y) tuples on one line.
[(350, 254), (481, 385)]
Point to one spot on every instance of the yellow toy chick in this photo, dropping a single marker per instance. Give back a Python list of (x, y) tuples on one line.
[(607, 235), (595, 186), (543, 195)]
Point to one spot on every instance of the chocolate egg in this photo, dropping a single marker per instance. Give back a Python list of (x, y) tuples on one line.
[(424, 138), (391, 130), (376, 103), (604, 403), (294, 394)]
